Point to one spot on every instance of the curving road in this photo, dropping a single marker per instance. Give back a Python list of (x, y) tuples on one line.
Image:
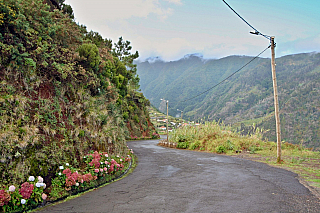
[(171, 180)]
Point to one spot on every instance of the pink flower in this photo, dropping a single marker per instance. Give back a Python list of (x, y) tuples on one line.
[(12, 188), (26, 190), (106, 162), (44, 196), (67, 172), (106, 155), (40, 179), (105, 169), (96, 170), (4, 197), (101, 170)]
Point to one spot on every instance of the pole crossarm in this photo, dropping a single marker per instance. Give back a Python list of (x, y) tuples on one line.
[(255, 30)]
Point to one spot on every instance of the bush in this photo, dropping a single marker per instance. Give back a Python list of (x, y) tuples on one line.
[(221, 149), (183, 145), (136, 118), (195, 145), (91, 54)]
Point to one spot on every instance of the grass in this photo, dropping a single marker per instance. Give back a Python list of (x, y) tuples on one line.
[(212, 137)]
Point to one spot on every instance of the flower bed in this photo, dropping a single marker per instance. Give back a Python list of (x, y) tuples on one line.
[(97, 168)]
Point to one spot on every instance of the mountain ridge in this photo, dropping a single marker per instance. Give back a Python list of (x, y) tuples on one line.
[(248, 95)]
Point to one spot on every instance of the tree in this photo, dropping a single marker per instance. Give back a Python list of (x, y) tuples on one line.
[(122, 51), (90, 54)]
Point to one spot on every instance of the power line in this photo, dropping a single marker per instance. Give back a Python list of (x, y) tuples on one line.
[(228, 76), (255, 30)]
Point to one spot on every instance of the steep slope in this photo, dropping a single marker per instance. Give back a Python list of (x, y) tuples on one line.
[(63, 92), (246, 96)]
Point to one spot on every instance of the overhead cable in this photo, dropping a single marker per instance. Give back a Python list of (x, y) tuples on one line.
[(255, 30), (228, 76)]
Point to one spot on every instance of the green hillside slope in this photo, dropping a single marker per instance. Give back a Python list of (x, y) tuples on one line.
[(63, 91), (247, 97)]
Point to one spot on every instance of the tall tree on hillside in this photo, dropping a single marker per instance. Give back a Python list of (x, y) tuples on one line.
[(122, 50)]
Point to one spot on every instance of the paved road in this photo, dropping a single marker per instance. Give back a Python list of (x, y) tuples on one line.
[(170, 180)]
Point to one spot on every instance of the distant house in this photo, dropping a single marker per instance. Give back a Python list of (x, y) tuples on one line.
[(162, 128), (164, 120)]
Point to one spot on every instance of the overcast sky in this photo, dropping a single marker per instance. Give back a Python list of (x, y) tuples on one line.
[(171, 29)]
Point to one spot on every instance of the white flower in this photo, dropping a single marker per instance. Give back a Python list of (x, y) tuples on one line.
[(44, 185), (31, 178), (38, 185), (67, 164), (117, 156), (61, 167), (23, 201), (77, 184), (59, 173), (12, 188), (40, 179), (101, 162)]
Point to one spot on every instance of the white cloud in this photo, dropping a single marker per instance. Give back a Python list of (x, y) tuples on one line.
[(118, 9), (174, 1)]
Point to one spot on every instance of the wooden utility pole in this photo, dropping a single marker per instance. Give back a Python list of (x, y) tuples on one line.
[(276, 103), (167, 121)]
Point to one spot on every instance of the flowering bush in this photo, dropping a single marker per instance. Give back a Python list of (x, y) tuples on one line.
[(155, 135), (20, 198), (98, 166)]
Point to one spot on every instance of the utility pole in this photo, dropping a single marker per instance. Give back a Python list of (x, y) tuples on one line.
[(181, 113), (167, 121), (276, 103), (167, 102), (274, 78)]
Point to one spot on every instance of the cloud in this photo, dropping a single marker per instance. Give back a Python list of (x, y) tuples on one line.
[(174, 1), (119, 9)]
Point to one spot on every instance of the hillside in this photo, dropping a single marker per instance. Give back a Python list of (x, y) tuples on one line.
[(64, 91), (245, 98)]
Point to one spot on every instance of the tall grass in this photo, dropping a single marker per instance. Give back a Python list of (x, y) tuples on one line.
[(214, 137)]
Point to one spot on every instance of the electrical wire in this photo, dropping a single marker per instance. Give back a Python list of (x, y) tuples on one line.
[(228, 76), (255, 30)]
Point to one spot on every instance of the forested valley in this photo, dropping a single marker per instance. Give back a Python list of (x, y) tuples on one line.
[(245, 100)]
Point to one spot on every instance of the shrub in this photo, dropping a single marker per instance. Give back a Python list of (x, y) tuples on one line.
[(221, 149), (183, 145), (195, 145), (136, 118), (91, 54)]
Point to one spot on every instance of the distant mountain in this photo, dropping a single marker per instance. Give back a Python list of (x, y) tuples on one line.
[(246, 97)]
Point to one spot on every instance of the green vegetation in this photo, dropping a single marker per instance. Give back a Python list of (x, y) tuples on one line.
[(158, 119), (245, 98), (212, 137), (63, 91)]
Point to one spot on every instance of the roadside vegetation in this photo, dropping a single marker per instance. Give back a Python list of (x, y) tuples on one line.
[(64, 92), (221, 139)]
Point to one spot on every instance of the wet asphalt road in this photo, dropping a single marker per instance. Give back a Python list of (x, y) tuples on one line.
[(171, 180)]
